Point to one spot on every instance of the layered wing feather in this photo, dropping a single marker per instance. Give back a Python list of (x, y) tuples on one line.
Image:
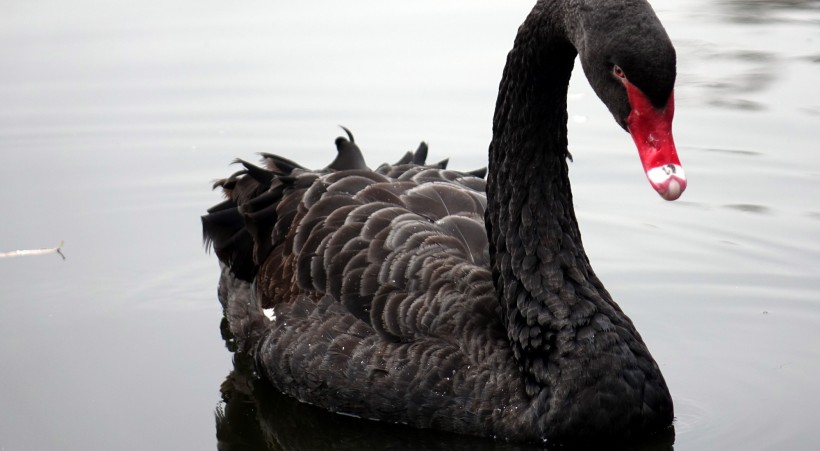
[(379, 288)]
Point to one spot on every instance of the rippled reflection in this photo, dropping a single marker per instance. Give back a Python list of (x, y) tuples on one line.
[(741, 50), (750, 208), (768, 11)]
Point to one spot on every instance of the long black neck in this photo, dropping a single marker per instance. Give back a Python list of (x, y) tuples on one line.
[(548, 291), (583, 363)]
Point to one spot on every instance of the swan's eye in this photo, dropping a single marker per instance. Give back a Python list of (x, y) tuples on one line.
[(618, 72)]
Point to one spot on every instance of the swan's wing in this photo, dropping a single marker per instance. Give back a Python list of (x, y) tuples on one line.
[(402, 248), (397, 306), (379, 288)]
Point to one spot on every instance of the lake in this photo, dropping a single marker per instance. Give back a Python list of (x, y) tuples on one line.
[(117, 116)]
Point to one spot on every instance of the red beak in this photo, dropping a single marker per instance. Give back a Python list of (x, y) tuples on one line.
[(651, 129)]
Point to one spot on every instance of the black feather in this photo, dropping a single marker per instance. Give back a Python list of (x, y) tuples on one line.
[(429, 297)]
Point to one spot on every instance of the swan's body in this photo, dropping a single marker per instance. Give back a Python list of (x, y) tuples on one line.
[(379, 294)]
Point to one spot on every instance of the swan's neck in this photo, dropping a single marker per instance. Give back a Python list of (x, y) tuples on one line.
[(582, 362), (545, 284)]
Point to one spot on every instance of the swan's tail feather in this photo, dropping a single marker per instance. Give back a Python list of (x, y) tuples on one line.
[(227, 184), (278, 164), (260, 216), (241, 232), (239, 243), (480, 172), (349, 156), (349, 133), (262, 176), (224, 231), (406, 158), (420, 155), (246, 319)]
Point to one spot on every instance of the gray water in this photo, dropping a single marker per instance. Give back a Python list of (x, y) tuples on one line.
[(115, 116)]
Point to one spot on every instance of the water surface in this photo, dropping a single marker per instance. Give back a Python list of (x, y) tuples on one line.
[(117, 115)]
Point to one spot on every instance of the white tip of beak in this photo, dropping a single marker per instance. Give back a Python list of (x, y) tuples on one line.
[(668, 180)]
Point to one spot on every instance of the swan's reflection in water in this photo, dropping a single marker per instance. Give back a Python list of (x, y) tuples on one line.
[(255, 416)]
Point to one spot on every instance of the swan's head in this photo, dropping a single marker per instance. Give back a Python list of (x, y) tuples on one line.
[(630, 63)]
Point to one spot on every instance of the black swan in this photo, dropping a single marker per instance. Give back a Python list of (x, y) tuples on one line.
[(406, 294)]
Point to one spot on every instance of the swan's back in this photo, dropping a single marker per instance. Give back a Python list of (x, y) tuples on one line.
[(378, 290)]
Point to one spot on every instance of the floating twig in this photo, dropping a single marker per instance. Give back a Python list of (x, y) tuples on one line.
[(26, 252)]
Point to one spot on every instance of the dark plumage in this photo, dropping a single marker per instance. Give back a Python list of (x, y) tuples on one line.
[(349, 156), (420, 295)]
